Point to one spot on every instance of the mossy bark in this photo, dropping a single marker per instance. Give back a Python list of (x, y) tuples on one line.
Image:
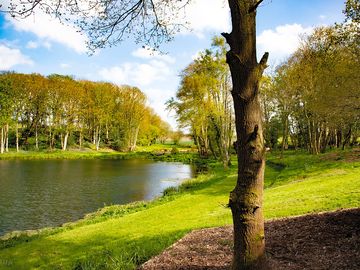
[(246, 199)]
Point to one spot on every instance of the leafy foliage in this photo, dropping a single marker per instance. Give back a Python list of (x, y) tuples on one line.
[(315, 93), (54, 111), (203, 102)]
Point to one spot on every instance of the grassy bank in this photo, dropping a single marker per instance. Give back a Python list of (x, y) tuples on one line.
[(121, 237), (156, 152)]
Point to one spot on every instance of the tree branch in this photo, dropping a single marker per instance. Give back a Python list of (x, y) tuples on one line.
[(254, 7), (263, 62), (228, 39)]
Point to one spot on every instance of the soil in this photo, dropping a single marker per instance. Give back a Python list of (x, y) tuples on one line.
[(319, 241), (351, 156)]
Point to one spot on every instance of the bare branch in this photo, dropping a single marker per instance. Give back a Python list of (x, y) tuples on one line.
[(254, 7), (263, 62), (108, 22)]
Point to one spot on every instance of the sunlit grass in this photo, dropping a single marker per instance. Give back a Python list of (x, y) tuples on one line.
[(59, 154), (87, 153), (122, 238)]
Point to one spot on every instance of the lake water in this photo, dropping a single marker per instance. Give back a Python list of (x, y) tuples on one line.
[(42, 193)]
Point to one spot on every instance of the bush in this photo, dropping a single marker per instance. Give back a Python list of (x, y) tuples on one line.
[(170, 191), (174, 151)]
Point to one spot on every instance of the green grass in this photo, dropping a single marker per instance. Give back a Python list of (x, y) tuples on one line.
[(122, 237), (58, 154), (156, 152)]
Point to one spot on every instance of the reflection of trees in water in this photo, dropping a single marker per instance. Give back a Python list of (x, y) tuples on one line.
[(36, 194)]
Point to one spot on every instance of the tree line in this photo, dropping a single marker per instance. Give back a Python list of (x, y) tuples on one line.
[(311, 101), (53, 112)]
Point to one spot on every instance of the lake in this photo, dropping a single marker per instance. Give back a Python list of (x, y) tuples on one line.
[(42, 193)]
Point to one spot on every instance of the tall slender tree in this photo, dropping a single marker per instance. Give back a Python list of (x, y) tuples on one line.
[(246, 200), (204, 102)]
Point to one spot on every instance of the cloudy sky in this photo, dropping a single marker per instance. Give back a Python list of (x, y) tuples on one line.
[(43, 45)]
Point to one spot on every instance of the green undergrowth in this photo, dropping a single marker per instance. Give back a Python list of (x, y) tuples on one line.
[(123, 237), (297, 165)]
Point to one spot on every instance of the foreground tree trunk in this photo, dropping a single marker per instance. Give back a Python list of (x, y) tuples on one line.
[(247, 197)]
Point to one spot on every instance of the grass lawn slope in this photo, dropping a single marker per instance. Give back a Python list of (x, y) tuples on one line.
[(123, 237)]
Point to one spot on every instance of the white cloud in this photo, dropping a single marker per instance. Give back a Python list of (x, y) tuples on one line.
[(322, 17), (11, 57), (50, 30), (208, 15), (46, 44), (157, 98), (138, 74), (32, 45), (64, 65), (282, 41), (148, 53), (36, 44)]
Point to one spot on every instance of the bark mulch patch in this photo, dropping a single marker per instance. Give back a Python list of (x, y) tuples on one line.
[(319, 241), (351, 156)]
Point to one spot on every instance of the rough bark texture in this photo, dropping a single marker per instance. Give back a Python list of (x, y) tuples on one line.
[(2, 147), (246, 199)]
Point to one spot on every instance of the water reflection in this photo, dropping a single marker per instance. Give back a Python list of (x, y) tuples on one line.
[(41, 193)]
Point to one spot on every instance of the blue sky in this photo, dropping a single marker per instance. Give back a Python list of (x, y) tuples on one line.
[(42, 45)]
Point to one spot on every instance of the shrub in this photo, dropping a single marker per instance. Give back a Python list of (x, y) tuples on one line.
[(174, 151)]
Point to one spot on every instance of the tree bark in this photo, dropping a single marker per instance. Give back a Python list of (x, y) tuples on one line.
[(326, 135), (347, 138), (64, 144), (52, 140), (36, 138), (98, 138), (2, 141), (285, 135), (247, 197), (133, 143), (7, 138), (94, 136), (80, 139), (338, 138), (17, 137), (107, 132)]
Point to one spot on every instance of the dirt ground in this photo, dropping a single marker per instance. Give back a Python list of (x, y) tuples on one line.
[(320, 241)]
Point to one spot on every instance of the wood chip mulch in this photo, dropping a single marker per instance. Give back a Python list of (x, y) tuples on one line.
[(319, 241)]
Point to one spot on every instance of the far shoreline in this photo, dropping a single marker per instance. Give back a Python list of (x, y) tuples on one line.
[(155, 152)]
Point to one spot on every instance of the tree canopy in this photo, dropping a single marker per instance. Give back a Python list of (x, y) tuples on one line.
[(203, 102), (316, 92), (49, 112)]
